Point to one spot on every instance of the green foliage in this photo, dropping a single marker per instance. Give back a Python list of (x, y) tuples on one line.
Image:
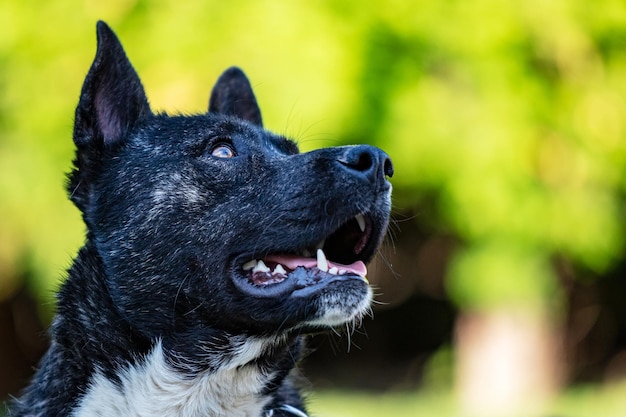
[(508, 118), (495, 274), (511, 117)]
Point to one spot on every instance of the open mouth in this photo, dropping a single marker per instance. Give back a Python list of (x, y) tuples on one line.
[(341, 254)]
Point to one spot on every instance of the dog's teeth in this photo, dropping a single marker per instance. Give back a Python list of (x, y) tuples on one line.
[(322, 263), (333, 270), (279, 270), (260, 267), (320, 245), (249, 265), (360, 219), (341, 272)]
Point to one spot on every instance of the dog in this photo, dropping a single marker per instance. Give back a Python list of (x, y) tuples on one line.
[(213, 247)]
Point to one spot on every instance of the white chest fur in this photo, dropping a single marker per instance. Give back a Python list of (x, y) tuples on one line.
[(155, 388)]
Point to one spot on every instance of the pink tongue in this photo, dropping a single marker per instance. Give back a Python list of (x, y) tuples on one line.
[(292, 262)]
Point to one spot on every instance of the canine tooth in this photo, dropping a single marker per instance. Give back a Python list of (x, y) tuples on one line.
[(322, 263), (333, 270), (320, 245), (260, 267), (249, 265), (280, 270), (361, 221)]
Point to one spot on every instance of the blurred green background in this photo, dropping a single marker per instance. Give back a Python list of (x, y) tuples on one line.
[(506, 123)]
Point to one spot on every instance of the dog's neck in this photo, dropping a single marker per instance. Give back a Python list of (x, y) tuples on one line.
[(100, 365)]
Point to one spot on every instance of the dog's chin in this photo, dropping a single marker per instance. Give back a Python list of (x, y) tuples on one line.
[(340, 306)]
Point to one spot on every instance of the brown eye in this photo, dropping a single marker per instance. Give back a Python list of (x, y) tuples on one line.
[(223, 151)]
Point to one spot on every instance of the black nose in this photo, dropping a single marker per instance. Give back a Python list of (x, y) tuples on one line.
[(367, 161)]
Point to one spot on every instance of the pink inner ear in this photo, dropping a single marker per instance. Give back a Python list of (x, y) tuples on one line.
[(107, 119)]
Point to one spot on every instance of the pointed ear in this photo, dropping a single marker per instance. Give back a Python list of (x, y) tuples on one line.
[(112, 100), (233, 96)]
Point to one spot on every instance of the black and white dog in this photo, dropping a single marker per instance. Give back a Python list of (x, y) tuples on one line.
[(212, 246)]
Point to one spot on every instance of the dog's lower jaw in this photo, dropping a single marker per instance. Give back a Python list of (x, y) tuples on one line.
[(154, 387)]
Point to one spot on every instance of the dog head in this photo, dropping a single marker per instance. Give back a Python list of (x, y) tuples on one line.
[(210, 221)]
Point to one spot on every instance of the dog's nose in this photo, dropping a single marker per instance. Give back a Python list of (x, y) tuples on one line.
[(368, 162)]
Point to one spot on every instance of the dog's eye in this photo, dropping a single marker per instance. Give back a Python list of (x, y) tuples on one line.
[(223, 150)]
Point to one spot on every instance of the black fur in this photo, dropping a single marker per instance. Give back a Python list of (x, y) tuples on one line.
[(169, 225)]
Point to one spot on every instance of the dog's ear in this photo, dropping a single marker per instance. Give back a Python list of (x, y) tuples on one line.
[(112, 100), (112, 103), (233, 96)]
